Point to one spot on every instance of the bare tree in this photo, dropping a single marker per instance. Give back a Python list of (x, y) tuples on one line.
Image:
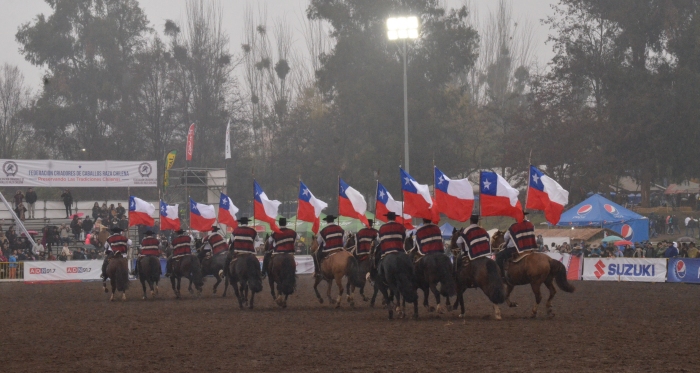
[(14, 98)]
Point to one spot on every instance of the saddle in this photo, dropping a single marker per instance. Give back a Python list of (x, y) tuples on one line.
[(519, 257)]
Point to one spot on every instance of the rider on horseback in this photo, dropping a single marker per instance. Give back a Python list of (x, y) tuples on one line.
[(243, 238), (391, 237), (150, 246), (217, 243), (329, 240), (281, 242), (519, 238), (428, 239), (473, 240), (181, 246), (365, 237), (116, 243)]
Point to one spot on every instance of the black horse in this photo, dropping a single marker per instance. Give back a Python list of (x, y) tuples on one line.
[(431, 270), (364, 264), (396, 276), (245, 270), (149, 272), (187, 266), (215, 265)]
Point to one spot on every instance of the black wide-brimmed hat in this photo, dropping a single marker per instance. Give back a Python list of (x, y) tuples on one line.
[(214, 228), (390, 215), (180, 231), (243, 220), (283, 222), (330, 218), (116, 230), (370, 222), (149, 233)]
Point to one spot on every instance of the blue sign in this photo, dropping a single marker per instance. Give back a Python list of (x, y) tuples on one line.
[(683, 270)]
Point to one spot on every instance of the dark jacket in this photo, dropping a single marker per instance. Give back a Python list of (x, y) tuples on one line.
[(31, 197), (67, 198), (88, 225)]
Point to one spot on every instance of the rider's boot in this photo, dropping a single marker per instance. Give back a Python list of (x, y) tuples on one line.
[(266, 263), (317, 265), (169, 266), (104, 268)]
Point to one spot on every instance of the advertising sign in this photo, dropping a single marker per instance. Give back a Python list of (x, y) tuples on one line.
[(72, 270), (684, 270), (624, 269), (76, 174)]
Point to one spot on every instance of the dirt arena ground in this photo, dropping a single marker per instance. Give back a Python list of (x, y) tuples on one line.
[(602, 327)]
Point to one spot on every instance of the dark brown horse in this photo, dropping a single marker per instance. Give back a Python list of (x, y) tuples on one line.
[(364, 261), (149, 272), (215, 265), (244, 271), (118, 273), (534, 269), (282, 271), (186, 266), (482, 273), (335, 266)]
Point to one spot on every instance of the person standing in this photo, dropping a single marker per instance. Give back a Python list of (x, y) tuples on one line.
[(76, 228), (19, 198), (67, 202), (31, 200)]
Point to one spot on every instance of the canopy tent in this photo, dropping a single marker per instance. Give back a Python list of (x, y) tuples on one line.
[(446, 230), (688, 187), (597, 211)]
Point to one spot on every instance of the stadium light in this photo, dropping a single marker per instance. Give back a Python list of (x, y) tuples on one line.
[(403, 28)]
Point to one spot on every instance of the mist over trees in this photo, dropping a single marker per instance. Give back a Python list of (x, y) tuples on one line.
[(618, 98)]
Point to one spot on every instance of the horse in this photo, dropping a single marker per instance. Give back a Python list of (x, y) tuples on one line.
[(364, 262), (149, 271), (481, 272), (281, 271), (187, 266), (215, 265), (245, 269), (431, 270), (534, 269), (118, 273), (396, 277), (335, 266)]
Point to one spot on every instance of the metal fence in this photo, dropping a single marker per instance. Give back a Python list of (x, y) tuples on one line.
[(11, 271)]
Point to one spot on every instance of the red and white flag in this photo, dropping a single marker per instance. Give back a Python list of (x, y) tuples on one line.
[(227, 211), (169, 217), (265, 209), (498, 198), (310, 207), (546, 195), (351, 203), (190, 143), (454, 198), (141, 212), (202, 217)]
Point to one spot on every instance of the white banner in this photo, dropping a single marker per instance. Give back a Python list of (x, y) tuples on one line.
[(52, 173), (72, 270), (624, 269), (305, 264)]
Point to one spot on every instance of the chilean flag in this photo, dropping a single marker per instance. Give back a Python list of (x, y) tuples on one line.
[(546, 195), (454, 198), (310, 207), (169, 218), (498, 198), (227, 211), (202, 216), (265, 209), (141, 212), (351, 203), (385, 203), (416, 197)]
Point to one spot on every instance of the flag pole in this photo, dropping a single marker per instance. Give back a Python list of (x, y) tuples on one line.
[(296, 220), (403, 199), (338, 199), (252, 171)]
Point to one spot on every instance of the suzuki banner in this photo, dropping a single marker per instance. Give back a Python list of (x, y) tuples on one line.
[(76, 174), (72, 270), (684, 270), (624, 269)]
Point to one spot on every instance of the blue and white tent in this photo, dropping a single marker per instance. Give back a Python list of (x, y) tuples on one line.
[(446, 230), (597, 211)]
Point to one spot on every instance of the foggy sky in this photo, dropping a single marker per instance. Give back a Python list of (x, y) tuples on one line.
[(17, 12)]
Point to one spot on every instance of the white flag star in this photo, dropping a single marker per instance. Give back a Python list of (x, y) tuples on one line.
[(381, 194), (535, 178), (441, 179), (305, 192), (487, 184), (407, 180)]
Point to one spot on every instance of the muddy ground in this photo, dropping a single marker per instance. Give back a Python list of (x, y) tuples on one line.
[(602, 327)]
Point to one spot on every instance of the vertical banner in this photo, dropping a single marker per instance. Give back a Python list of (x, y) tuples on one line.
[(228, 140), (169, 161), (190, 142)]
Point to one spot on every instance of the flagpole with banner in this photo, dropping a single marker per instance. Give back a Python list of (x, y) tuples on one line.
[(338, 199), (188, 158)]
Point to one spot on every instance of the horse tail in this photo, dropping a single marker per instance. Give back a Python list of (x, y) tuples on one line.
[(494, 287), (354, 274), (448, 287), (405, 278), (254, 273), (196, 269), (154, 268), (558, 270), (288, 276), (121, 275)]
